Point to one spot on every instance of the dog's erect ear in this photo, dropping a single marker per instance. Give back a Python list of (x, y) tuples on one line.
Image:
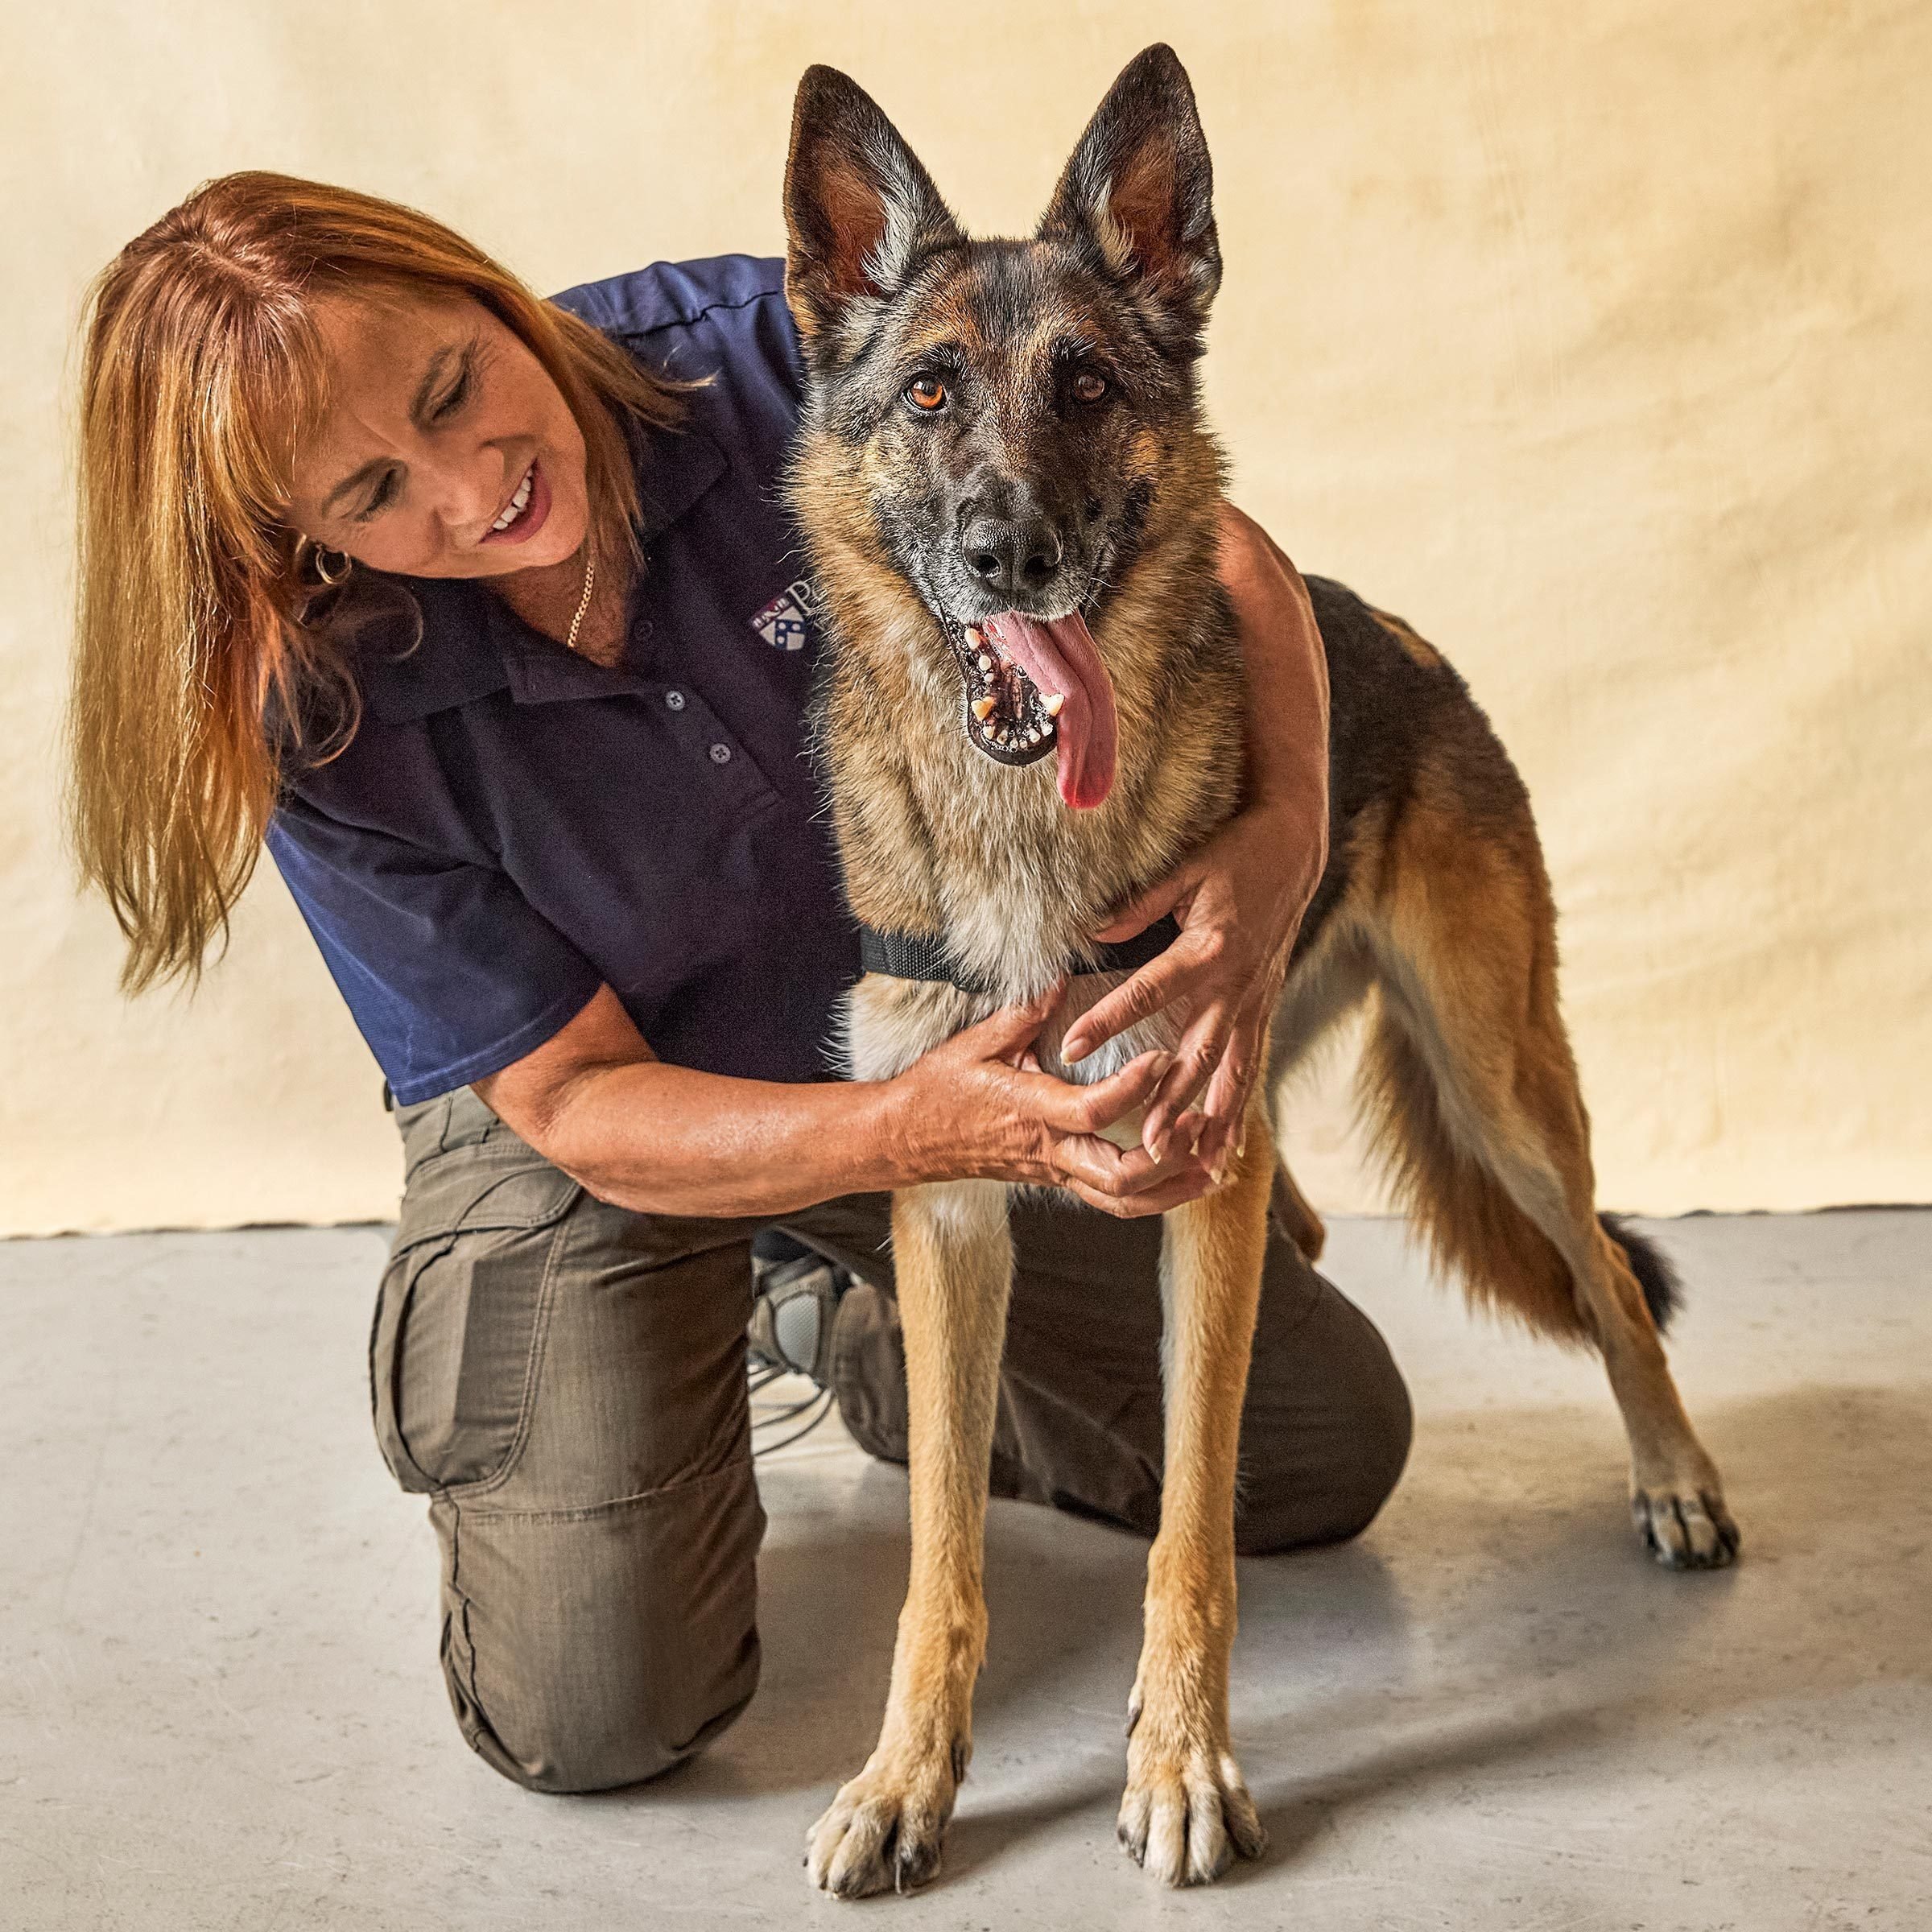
[(1137, 197), (861, 212)]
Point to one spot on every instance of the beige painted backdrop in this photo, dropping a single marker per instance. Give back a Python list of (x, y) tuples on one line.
[(1596, 339)]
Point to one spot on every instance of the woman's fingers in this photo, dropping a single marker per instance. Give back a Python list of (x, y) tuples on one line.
[(1224, 1104), (1134, 1207), (1154, 903), (1158, 984), (1088, 1110), (1126, 1182), (1200, 1050)]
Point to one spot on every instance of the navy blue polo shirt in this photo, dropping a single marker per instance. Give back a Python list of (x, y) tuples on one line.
[(513, 824)]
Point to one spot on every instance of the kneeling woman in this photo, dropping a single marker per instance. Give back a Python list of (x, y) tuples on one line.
[(483, 613)]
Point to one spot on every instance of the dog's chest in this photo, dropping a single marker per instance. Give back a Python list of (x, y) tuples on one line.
[(937, 841)]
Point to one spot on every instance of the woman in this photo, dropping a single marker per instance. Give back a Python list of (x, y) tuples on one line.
[(483, 611)]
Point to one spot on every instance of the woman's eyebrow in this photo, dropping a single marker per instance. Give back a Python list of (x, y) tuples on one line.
[(419, 409)]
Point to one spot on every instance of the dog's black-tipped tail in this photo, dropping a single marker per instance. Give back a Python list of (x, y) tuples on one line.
[(1662, 1290)]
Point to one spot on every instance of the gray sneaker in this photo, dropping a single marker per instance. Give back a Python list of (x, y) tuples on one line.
[(797, 1293)]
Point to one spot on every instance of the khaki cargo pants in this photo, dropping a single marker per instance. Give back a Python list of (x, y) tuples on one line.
[(566, 1381)]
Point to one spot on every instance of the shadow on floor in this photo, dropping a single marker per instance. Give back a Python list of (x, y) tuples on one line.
[(1502, 1613), (1547, 1630)]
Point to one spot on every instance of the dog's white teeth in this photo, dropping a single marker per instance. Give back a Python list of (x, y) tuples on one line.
[(1053, 701), (1047, 729), (976, 638), (986, 663), (1033, 737), (981, 707)]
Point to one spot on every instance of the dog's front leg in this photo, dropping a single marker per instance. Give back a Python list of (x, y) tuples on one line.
[(1187, 1810), (953, 1258)]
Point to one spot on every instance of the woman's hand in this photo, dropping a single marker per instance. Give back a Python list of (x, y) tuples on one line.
[(1239, 901), (978, 1105)]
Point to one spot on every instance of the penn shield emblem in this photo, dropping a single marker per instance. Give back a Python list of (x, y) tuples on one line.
[(786, 622)]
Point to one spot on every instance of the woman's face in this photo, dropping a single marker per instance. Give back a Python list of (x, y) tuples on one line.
[(447, 450)]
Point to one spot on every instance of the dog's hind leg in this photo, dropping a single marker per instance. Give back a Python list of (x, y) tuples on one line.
[(1185, 1810), (1323, 987), (953, 1260), (1473, 1090)]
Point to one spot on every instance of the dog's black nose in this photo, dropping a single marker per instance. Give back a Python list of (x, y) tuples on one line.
[(1008, 553)]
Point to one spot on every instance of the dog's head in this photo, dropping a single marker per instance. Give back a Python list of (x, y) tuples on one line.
[(1006, 406)]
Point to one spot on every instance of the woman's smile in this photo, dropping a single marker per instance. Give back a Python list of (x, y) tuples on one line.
[(524, 515)]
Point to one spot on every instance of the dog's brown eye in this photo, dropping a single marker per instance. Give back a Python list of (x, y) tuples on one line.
[(1088, 387), (925, 392)]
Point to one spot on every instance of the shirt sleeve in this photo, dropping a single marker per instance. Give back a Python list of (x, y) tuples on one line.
[(450, 973)]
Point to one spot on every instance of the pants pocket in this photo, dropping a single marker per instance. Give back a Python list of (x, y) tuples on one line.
[(459, 1321)]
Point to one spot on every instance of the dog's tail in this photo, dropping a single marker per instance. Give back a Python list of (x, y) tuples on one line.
[(1663, 1291), (1471, 1226)]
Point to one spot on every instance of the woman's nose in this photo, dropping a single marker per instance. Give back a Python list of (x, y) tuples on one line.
[(467, 497)]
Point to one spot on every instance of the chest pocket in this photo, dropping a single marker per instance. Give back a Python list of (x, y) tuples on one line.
[(458, 1337)]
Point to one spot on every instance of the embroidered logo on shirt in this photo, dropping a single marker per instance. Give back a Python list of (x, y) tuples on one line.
[(786, 622)]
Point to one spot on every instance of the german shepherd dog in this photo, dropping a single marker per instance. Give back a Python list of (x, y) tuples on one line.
[(1032, 708)]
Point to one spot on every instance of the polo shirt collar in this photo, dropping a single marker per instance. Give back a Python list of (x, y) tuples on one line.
[(674, 468), (473, 645)]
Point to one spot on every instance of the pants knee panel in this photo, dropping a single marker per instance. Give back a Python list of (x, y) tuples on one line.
[(587, 1649), (551, 1749)]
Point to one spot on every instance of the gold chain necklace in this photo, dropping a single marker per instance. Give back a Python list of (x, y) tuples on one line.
[(590, 579)]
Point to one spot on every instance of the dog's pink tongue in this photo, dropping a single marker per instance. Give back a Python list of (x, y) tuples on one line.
[(1061, 656)]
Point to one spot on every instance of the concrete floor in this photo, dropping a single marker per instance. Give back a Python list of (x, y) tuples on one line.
[(220, 1707)]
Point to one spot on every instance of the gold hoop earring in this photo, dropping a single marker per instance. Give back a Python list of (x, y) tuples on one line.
[(322, 570)]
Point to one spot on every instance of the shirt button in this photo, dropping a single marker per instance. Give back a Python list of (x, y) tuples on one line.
[(674, 700), (721, 754)]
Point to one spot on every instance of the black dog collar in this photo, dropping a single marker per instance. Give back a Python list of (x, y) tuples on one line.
[(905, 956)]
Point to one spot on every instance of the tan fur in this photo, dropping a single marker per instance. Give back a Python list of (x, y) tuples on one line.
[(954, 1261), (1185, 1805), (1421, 651)]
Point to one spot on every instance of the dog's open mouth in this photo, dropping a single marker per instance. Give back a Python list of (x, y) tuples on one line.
[(1036, 685)]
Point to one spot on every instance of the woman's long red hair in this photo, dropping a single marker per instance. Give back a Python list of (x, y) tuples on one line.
[(204, 370)]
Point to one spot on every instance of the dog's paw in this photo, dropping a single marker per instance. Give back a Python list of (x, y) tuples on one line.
[(1685, 1526), (884, 1830), (1187, 1814)]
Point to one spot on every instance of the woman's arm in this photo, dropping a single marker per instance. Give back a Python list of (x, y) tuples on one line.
[(1240, 899), (665, 1140)]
